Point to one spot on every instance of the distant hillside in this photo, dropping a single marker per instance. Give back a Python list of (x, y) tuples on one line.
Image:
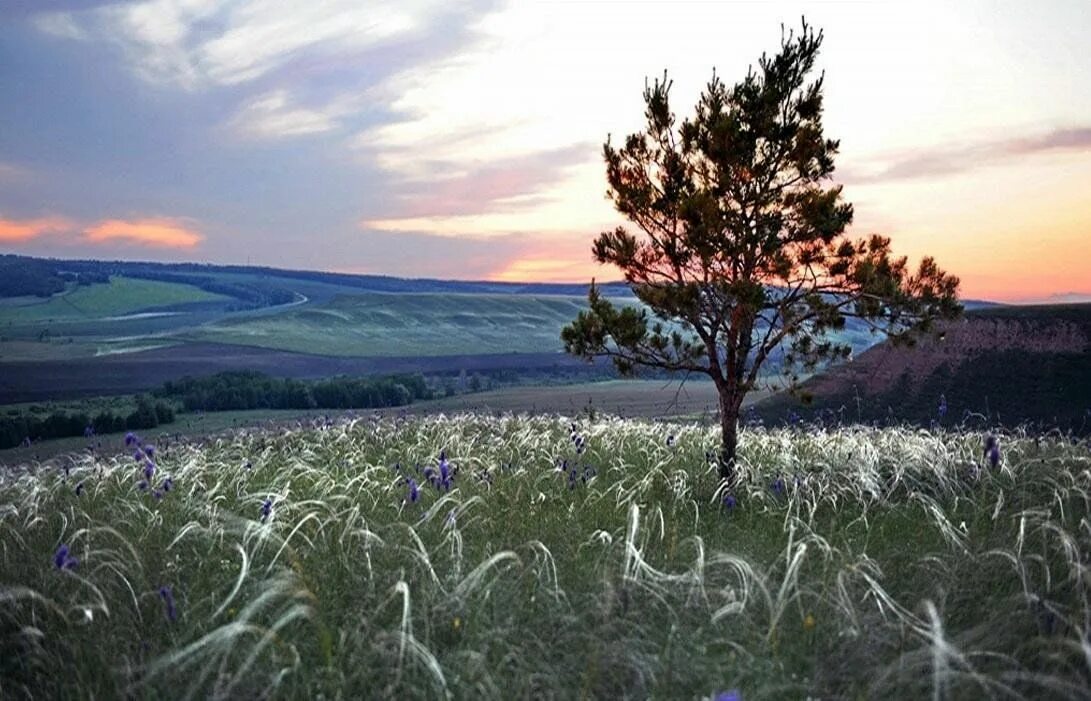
[(43, 276), (1000, 364)]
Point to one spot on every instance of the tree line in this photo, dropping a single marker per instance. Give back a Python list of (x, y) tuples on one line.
[(226, 391), (241, 390), (21, 427)]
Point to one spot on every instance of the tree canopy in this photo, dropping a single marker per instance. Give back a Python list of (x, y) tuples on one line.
[(741, 250)]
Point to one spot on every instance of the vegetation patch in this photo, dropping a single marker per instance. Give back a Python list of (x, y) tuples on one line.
[(522, 557)]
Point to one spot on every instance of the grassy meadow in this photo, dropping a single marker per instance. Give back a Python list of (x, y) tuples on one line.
[(595, 560), (120, 297), (380, 324)]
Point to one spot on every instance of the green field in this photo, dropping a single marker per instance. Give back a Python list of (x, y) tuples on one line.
[(632, 398), (379, 324), (861, 563), (121, 297)]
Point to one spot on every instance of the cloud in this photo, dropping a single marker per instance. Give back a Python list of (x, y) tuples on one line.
[(200, 43), (157, 233), (60, 24), (272, 116), (955, 159), (23, 230), (501, 185), (545, 255)]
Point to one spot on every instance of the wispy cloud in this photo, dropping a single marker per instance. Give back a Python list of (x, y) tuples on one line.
[(960, 158), (157, 233), (273, 116), (454, 188), (23, 230), (199, 43)]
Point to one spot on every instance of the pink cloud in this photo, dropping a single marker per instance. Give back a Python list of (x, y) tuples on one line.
[(22, 230), (158, 233)]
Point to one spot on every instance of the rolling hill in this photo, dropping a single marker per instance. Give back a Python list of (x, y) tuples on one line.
[(1006, 364)]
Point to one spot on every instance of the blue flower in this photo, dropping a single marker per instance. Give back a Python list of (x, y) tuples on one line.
[(149, 450), (130, 438), (63, 560), (414, 492), (777, 486), (266, 509), (729, 501), (732, 695), (142, 485), (168, 600), (942, 408), (168, 484), (149, 469)]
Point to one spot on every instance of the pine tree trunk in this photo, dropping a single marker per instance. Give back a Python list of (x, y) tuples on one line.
[(729, 426)]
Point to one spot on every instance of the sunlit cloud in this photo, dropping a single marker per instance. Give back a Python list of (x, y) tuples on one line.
[(197, 43), (497, 185), (958, 158), (272, 116), (543, 269), (23, 230), (157, 233)]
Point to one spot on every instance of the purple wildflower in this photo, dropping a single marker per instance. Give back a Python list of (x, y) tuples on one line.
[(130, 438), (729, 501), (63, 560), (168, 600), (168, 484), (446, 474), (149, 469), (992, 449), (142, 485), (777, 486), (149, 450), (732, 695), (266, 509), (414, 492)]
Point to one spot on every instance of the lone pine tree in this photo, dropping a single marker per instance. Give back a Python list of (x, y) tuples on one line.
[(742, 253)]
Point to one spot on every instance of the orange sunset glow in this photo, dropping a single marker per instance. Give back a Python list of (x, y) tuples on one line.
[(465, 142), (147, 232)]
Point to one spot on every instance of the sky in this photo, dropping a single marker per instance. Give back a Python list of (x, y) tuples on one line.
[(463, 140)]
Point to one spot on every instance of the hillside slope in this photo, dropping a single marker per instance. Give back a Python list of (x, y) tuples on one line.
[(1007, 364)]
